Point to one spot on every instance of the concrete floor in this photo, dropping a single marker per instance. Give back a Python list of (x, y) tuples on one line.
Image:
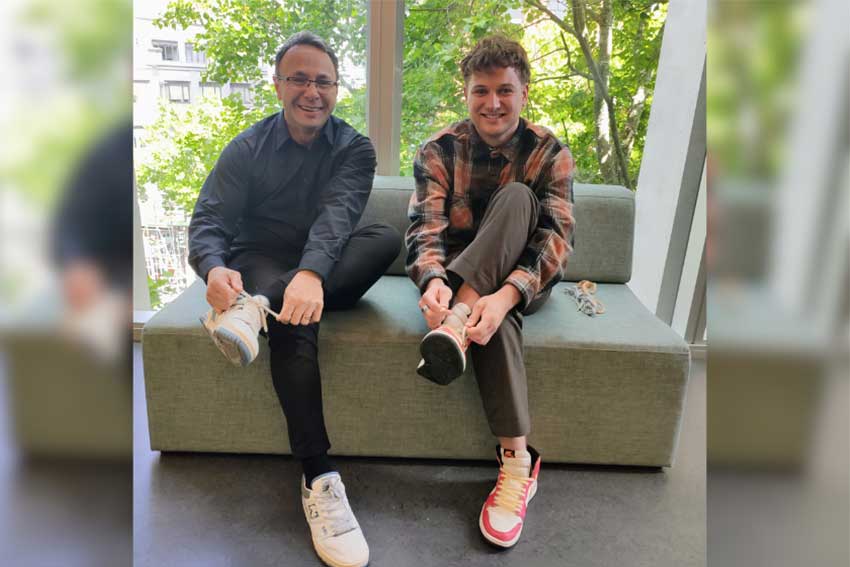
[(232, 510)]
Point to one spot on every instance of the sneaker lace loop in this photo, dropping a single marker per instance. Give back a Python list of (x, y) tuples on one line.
[(249, 300), (511, 491)]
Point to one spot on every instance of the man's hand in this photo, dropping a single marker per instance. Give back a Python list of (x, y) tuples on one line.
[(489, 312), (83, 283), (435, 302), (223, 287), (303, 299)]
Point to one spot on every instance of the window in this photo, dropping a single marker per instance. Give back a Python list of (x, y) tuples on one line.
[(193, 56), (168, 49), (210, 90), (175, 91), (243, 91), (138, 137), (562, 90)]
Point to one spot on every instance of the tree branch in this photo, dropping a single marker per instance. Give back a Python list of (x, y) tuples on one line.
[(579, 24), (570, 64), (546, 55), (577, 31), (558, 21), (559, 77)]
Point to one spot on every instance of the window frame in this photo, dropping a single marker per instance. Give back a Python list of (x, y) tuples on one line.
[(186, 91), (164, 45)]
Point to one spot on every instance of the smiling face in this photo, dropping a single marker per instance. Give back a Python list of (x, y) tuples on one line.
[(306, 108), (495, 97)]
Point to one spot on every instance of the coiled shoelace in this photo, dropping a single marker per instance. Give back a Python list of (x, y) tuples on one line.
[(584, 292)]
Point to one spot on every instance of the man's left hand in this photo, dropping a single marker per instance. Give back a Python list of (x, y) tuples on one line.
[(303, 299), (489, 312)]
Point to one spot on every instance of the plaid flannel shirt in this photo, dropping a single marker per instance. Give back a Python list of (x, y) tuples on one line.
[(456, 173)]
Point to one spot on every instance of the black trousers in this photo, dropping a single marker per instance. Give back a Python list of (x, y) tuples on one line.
[(294, 348)]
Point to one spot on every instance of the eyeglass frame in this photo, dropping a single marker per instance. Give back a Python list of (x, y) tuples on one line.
[(319, 87)]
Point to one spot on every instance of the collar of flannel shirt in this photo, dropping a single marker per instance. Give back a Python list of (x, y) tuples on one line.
[(508, 149)]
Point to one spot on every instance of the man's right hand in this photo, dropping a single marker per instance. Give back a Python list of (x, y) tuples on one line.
[(435, 302), (223, 287)]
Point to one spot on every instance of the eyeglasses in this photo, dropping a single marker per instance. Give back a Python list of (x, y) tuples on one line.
[(322, 85)]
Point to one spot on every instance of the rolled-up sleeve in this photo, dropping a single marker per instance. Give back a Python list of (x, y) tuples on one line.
[(219, 207), (544, 260), (425, 238), (342, 204)]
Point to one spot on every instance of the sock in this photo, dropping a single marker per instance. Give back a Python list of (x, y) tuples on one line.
[(316, 466), (517, 462)]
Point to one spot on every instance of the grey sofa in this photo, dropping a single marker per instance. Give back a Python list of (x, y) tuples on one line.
[(608, 389)]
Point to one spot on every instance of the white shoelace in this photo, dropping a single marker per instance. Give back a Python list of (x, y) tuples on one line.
[(334, 511), (253, 301)]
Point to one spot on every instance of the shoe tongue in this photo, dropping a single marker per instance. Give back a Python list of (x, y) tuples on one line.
[(323, 482), (457, 317), (517, 462)]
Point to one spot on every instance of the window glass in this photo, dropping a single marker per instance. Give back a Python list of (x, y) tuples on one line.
[(183, 141), (194, 56), (175, 91), (564, 93)]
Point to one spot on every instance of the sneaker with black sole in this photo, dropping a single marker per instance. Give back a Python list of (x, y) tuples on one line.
[(444, 349)]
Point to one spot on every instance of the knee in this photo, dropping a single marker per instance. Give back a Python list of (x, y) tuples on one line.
[(516, 193), (388, 240)]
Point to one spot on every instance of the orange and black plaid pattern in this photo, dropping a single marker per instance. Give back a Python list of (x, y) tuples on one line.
[(456, 173)]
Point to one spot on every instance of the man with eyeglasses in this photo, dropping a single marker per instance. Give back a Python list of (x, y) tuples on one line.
[(491, 231), (273, 235)]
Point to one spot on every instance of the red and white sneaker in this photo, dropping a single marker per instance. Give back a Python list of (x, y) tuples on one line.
[(503, 513), (444, 349)]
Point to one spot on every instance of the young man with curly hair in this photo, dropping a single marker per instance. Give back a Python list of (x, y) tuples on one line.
[(492, 227)]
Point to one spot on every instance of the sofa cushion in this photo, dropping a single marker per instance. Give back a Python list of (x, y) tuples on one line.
[(607, 389), (603, 237)]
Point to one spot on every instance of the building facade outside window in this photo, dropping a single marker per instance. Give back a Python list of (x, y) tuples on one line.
[(175, 91), (168, 49)]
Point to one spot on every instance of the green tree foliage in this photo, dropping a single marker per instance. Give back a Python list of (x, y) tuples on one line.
[(56, 120), (593, 69), (753, 58)]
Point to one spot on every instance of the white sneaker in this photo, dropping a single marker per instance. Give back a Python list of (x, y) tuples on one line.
[(235, 331), (337, 536)]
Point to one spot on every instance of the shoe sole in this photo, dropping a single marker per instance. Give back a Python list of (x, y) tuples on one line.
[(498, 542), (443, 359), (232, 357), (234, 347), (331, 563)]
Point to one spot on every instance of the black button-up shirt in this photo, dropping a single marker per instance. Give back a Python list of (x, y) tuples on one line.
[(268, 193)]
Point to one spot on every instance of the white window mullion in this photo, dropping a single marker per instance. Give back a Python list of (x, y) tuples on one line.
[(384, 69), (673, 160)]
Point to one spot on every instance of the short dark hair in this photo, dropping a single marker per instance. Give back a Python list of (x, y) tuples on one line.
[(493, 52), (306, 38)]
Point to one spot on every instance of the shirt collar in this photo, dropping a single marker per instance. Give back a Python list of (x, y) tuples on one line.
[(282, 131), (509, 149)]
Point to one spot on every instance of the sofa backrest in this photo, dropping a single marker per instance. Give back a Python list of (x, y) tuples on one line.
[(605, 216)]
